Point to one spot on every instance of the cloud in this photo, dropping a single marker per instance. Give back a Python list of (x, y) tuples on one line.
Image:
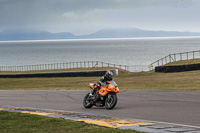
[(90, 15)]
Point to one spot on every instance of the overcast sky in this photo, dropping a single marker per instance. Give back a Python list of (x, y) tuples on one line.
[(87, 16)]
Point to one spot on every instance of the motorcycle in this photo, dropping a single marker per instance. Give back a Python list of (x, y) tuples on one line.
[(104, 96)]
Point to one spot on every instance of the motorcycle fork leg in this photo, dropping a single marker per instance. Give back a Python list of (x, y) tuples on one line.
[(96, 97)]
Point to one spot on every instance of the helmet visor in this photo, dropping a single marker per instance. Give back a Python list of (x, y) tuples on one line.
[(110, 77)]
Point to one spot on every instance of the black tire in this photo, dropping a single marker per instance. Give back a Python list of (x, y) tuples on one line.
[(86, 102), (111, 101)]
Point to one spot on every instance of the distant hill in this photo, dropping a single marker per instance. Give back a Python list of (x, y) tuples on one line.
[(134, 32), (11, 35)]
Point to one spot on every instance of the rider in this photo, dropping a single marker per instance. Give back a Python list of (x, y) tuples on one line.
[(107, 77)]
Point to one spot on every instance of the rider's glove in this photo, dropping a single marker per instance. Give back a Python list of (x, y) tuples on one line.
[(98, 85)]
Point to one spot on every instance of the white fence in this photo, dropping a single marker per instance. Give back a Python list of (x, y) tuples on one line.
[(175, 57), (55, 66)]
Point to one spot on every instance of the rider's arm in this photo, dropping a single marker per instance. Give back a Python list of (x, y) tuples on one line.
[(99, 83)]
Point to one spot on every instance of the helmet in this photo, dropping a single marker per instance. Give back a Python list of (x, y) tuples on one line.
[(109, 75)]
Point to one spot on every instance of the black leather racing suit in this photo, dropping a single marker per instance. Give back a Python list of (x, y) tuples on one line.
[(103, 80)]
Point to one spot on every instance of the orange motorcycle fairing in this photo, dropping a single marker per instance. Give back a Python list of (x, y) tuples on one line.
[(92, 85), (104, 90)]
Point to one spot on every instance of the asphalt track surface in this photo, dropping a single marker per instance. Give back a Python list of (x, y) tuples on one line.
[(180, 107)]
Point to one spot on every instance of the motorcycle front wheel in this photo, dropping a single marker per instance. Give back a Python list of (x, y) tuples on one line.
[(86, 101), (111, 101)]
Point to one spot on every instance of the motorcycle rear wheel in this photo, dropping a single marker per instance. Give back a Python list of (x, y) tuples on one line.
[(86, 102), (111, 101)]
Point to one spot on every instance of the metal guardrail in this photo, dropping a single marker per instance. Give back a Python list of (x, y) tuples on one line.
[(175, 57), (69, 65)]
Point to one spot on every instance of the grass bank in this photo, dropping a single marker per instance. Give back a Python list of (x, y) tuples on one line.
[(13, 122), (126, 80), (58, 70), (183, 62)]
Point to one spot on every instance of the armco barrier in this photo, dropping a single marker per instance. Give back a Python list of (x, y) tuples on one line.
[(177, 68), (59, 74)]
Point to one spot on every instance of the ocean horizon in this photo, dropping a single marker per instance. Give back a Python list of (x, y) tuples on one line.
[(131, 38)]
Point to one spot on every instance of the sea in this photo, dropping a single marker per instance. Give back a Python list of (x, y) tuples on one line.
[(133, 52)]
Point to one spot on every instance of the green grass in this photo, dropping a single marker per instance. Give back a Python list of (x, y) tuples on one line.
[(189, 80), (183, 62), (13, 122), (126, 80)]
